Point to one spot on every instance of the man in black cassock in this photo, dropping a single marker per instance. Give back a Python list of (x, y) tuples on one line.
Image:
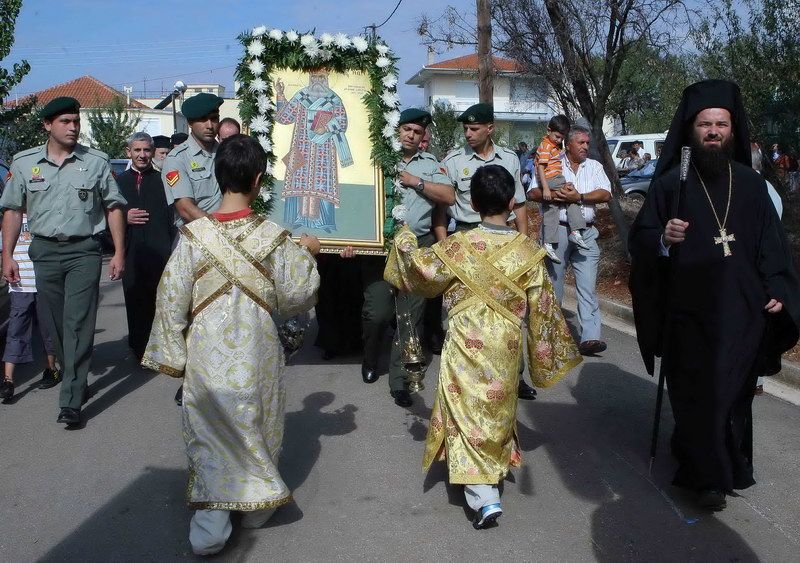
[(714, 290), (149, 236)]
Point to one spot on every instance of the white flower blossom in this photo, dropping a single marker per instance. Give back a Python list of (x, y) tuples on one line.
[(392, 117), (382, 62), (360, 43), (259, 31), (266, 195), (325, 54), (291, 35), (382, 49), (264, 104), (399, 213), (256, 48), (276, 34), (326, 39), (396, 144), (388, 131), (259, 124), (342, 41), (269, 171), (390, 99), (313, 50), (258, 85), (307, 40), (389, 81), (256, 67), (264, 141)]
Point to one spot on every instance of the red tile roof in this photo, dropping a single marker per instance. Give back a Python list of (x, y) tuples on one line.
[(470, 62), (89, 92)]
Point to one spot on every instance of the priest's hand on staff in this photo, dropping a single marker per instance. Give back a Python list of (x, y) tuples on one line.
[(675, 231), (311, 243), (774, 306), (137, 216)]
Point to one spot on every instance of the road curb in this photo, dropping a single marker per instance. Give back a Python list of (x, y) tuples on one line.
[(789, 374)]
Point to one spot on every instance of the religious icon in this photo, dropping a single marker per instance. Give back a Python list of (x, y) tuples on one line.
[(311, 185)]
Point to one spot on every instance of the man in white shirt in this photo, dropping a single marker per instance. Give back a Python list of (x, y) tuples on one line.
[(587, 184)]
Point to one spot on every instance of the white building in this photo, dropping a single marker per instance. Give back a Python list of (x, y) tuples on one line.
[(523, 104)]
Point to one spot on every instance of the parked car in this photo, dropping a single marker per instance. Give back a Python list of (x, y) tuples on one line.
[(637, 182), (119, 165), (621, 146)]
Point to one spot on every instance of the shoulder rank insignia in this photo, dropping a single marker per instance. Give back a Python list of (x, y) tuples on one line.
[(172, 177)]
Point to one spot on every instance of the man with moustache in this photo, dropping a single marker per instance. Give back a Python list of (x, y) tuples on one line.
[(715, 294), (149, 236), (70, 196), (188, 173)]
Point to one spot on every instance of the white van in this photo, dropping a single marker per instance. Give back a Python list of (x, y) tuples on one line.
[(620, 146)]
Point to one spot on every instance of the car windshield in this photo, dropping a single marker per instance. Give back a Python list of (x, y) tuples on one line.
[(645, 171)]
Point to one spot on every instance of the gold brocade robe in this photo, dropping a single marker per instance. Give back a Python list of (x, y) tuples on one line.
[(493, 281), (213, 326)]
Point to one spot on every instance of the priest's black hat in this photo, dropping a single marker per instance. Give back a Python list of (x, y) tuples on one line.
[(57, 106), (697, 97), (178, 138), (161, 142)]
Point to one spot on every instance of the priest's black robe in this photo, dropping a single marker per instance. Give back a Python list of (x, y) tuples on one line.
[(703, 313), (148, 248)]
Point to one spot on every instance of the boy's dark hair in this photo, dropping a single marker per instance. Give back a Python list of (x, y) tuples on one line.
[(491, 188), (239, 159), (559, 123)]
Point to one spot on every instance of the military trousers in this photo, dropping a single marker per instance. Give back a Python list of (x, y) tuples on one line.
[(378, 309), (68, 279), (412, 306)]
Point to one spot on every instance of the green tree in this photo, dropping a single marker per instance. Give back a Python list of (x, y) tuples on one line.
[(760, 52), (649, 89), (445, 129), (18, 125), (111, 126)]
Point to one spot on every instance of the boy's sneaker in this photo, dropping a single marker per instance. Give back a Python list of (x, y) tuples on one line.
[(486, 516), (50, 378), (6, 389), (576, 238), (551, 253)]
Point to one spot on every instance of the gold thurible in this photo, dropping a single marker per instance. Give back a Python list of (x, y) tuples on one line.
[(412, 356)]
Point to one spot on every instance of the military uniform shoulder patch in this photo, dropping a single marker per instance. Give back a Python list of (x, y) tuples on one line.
[(8, 177), (172, 177)]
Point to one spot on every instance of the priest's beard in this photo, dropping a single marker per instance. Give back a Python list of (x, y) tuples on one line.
[(712, 161)]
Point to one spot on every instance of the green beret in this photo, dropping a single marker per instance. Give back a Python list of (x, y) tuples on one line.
[(161, 142), (200, 105), (55, 107), (479, 113), (414, 115)]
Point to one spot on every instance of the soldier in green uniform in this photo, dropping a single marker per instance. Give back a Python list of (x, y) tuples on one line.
[(425, 186), (67, 190), (188, 170), (480, 150)]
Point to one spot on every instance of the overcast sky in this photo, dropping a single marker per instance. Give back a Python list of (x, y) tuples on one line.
[(154, 43)]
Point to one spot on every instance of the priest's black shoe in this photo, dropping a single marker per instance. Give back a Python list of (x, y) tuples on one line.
[(369, 374), (50, 378), (402, 398), (525, 391), (712, 499), (6, 390), (69, 416)]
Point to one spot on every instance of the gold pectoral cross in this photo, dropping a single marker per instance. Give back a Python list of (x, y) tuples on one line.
[(724, 238)]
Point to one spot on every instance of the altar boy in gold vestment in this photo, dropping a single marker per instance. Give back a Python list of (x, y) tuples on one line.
[(213, 326), (494, 280)]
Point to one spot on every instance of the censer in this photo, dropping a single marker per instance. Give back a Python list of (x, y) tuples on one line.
[(412, 356)]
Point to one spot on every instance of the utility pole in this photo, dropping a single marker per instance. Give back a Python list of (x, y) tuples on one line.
[(485, 71)]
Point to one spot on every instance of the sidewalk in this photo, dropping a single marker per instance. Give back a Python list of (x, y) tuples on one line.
[(785, 384)]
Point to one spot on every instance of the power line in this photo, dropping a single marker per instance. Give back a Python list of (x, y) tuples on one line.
[(390, 15)]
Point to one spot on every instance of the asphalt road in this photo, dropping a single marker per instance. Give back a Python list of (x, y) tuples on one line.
[(113, 491)]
